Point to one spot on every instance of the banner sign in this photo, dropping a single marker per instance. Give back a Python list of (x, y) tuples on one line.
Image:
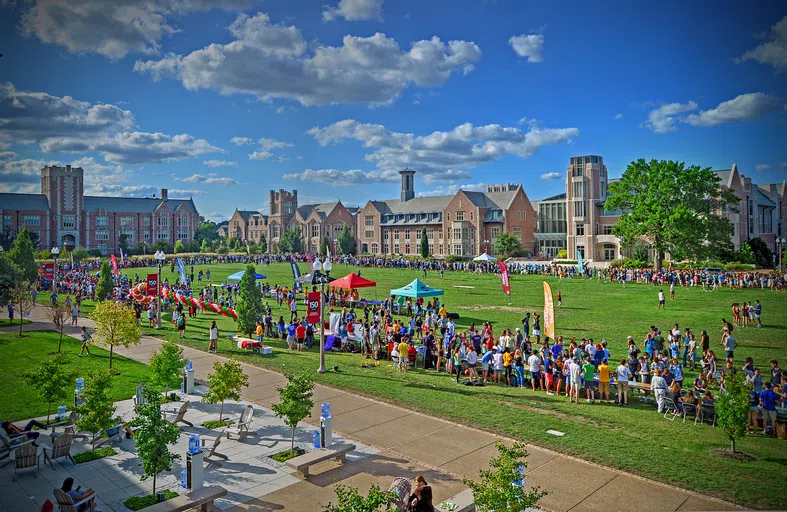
[(152, 285), (49, 271), (313, 307), (114, 265), (296, 273), (549, 312), (580, 265), (181, 268), (504, 277)]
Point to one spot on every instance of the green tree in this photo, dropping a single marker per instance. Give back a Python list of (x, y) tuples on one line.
[(161, 245), (346, 241), (79, 254), (167, 363), (641, 252), (123, 242), (153, 436), (249, 306), (263, 244), (97, 413), (59, 314), (507, 244), (350, 500), (205, 247), (325, 246), (52, 380), (178, 247), (499, 489), (295, 401), (20, 297), (290, 240), (424, 244), (104, 286), (206, 232), (9, 277), (225, 383), (22, 254), (673, 208), (116, 325), (732, 407), (761, 254)]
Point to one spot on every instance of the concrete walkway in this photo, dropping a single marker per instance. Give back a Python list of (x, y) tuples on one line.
[(413, 443)]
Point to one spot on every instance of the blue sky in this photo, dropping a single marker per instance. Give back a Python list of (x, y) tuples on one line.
[(224, 100)]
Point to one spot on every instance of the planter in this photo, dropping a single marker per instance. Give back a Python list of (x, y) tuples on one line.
[(287, 454)]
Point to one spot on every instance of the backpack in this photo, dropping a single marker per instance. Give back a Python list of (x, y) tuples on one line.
[(181, 320)]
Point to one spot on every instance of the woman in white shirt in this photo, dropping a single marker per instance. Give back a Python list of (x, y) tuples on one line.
[(623, 378), (214, 338)]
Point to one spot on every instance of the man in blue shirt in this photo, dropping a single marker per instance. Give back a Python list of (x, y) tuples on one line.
[(486, 360), (768, 405)]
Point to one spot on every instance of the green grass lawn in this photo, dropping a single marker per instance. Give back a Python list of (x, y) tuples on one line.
[(18, 355), (634, 439)]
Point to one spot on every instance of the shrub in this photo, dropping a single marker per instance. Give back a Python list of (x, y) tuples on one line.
[(738, 266), (286, 455), (562, 253), (453, 258), (636, 264), (96, 253), (139, 502), (43, 255), (618, 263), (212, 424), (106, 451)]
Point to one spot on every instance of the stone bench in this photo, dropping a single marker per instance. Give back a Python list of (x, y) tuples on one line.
[(201, 498), (302, 463), (463, 502)]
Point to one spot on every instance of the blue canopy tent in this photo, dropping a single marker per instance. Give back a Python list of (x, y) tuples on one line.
[(416, 289), (237, 276)]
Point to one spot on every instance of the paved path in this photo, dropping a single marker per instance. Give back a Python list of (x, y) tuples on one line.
[(443, 451)]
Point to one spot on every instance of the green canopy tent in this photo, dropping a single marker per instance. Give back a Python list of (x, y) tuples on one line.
[(415, 290)]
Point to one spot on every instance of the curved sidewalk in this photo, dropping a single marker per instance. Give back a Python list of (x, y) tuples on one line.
[(413, 443)]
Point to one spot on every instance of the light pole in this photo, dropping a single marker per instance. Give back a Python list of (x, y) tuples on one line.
[(322, 279), (55, 253), (160, 257), (781, 242), (486, 246)]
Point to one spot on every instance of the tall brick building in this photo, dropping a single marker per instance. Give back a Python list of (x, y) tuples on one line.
[(63, 216)]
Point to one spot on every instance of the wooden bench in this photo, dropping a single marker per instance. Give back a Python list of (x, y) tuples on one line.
[(302, 463), (201, 498), (464, 502)]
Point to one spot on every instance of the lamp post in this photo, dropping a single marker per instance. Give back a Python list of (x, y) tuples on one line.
[(486, 246), (781, 242), (322, 279), (160, 257), (55, 253)]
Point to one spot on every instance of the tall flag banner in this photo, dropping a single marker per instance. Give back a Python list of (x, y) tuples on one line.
[(310, 259), (122, 259), (152, 285), (296, 273), (549, 312), (504, 277), (313, 307), (580, 265), (114, 265), (49, 271), (181, 270), (72, 258)]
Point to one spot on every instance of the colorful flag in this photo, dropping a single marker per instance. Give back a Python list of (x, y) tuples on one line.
[(549, 312), (313, 308), (580, 266), (504, 277), (122, 262), (296, 273), (152, 285), (181, 270), (114, 265)]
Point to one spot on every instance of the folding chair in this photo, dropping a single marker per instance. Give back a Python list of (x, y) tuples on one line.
[(670, 408), (708, 412), (690, 410)]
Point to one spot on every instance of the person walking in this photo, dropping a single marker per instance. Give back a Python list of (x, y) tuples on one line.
[(75, 314), (623, 378), (86, 337), (214, 338)]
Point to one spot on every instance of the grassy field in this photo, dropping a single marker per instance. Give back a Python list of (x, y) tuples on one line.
[(23, 354), (634, 439)]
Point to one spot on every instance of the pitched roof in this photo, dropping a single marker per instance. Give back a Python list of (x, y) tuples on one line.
[(245, 214), (503, 199), (10, 201), (555, 198), (418, 204), (764, 200), (135, 204)]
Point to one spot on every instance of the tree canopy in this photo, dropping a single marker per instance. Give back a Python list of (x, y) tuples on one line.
[(249, 305), (295, 401), (673, 208), (346, 241), (52, 380), (116, 324), (424, 249), (104, 286), (153, 436), (225, 383), (507, 244), (22, 254), (9, 276), (290, 240)]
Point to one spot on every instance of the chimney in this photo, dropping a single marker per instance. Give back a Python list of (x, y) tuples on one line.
[(164, 194), (408, 187)]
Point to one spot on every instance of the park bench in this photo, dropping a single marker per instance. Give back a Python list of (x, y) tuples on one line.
[(463, 501), (201, 498), (302, 463)]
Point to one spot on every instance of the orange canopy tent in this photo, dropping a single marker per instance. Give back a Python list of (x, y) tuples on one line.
[(352, 281)]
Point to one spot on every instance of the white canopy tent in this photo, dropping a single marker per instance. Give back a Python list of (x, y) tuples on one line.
[(485, 257)]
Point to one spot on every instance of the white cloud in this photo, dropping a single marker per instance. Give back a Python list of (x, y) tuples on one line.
[(745, 107), (240, 141), (662, 119), (355, 10), (449, 190), (442, 156), (773, 52), (219, 163), (23, 172), (618, 116), (270, 61), (20, 188), (112, 28), (141, 191), (210, 179), (551, 176), (217, 217), (530, 46), (337, 178), (267, 144), (141, 147), (7, 155), (260, 155), (768, 167)]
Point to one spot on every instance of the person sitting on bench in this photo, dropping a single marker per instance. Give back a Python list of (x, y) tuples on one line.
[(421, 499)]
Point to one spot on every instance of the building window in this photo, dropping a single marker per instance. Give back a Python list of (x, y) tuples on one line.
[(517, 232), (579, 208), (163, 235), (519, 215), (430, 234), (406, 235), (162, 221), (102, 248), (396, 248), (6, 220), (580, 189), (581, 250), (68, 221), (129, 234), (385, 234), (126, 220), (396, 234), (102, 221), (315, 230), (458, 249), (147, 235), (609, 252), (374, 247), (448, 217), (431, 248), (368, 220), (368, 234), (147, 221), (102, 234), (32, 220), (274, 231), (183, 235), (580, 231), (495, 232), (606, 229), (460, 216), (385, 248)]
